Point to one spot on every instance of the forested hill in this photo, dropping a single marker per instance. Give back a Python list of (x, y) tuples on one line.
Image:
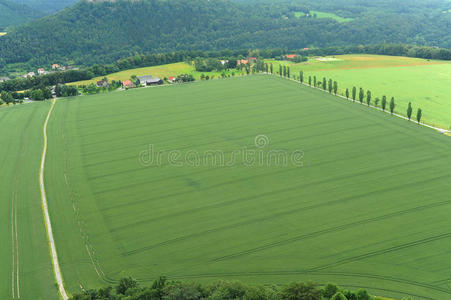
[(13, 14), (103, 31)]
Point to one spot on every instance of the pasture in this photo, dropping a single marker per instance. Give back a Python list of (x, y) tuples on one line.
[(26, 270), (367, 207), (427, 84), (156, 71)]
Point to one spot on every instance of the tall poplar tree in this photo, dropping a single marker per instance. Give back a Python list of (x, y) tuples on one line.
[(419, 114), (392, 105), (384, 102), (409, 110)]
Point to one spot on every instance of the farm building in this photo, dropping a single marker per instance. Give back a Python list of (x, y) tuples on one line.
[(149, 80), (3, 79), (290, 56), (171, 79)]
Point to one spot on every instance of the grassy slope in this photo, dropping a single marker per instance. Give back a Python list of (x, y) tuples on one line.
[(427, 84), (158, 71), (368, 209), (21, 140)]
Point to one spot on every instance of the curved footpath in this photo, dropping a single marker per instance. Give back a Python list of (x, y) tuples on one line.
[(48, 225)]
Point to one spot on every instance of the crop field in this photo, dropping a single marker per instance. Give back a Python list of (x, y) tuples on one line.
[(353, 196), (26, 270), (427, 84), (156, 71)]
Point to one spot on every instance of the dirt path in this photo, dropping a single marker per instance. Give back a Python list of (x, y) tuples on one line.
[(48, 225)]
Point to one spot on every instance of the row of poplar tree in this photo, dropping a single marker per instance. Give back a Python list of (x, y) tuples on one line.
[(332, 87)]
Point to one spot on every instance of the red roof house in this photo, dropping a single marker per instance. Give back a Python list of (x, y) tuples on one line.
[(242, 61), (290, 56), (128, 84)]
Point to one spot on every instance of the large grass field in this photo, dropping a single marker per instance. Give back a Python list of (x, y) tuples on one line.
[(369, 207), (26, 270), (427, 84)]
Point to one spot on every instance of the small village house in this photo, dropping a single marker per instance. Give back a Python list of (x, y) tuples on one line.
[(242, 62), (128, 84), (41, 71), (30, 74), (171, 79), (102, 84), (55, 66), (290, 56)]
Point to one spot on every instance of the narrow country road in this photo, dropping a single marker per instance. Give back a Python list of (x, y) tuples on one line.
[(48, 225)]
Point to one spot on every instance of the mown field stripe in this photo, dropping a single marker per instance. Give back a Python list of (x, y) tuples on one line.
[(48, 224)]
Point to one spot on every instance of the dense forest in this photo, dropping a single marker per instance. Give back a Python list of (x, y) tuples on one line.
[(163, 289), (103, 32), (16, 13)]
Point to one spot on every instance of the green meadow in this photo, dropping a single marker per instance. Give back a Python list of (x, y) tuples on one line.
[(320, 15), (26, 270), (366, 204), (427, 84)]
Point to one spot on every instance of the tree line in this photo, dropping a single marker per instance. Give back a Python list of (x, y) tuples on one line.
[(206, 61), (163, 289)]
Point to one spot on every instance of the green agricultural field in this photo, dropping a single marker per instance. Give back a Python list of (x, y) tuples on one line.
[(362, 200), (427, 84), (157, 71), (2, 33), (26, 270)]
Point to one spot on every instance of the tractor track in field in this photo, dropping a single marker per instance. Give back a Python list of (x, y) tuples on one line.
[(88, 246), (295, 239), (319, 273), (48, 224), (137, 202), (15, 261)]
